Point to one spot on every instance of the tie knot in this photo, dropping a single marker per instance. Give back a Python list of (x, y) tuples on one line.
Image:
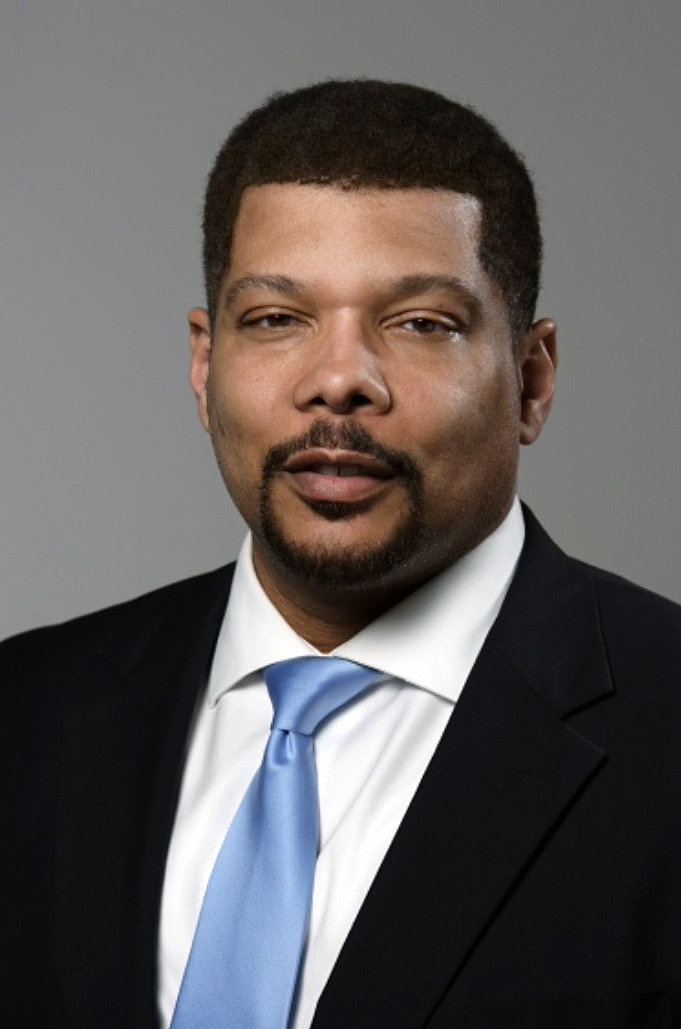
[(305, 690)]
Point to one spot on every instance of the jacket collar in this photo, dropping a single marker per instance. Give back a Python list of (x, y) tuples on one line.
[(549, 627)]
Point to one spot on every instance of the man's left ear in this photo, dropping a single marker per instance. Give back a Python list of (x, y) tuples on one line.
[(537, 360), (200, 346)]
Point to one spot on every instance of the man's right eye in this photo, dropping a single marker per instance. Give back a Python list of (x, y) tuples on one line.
[(270, 321)]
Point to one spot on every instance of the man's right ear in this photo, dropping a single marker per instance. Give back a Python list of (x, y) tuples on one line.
[(200, 346)]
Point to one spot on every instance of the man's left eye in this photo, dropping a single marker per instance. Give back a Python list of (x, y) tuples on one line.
[(429, 327)]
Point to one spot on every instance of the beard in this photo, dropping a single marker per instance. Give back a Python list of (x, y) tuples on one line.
[(335, 567)]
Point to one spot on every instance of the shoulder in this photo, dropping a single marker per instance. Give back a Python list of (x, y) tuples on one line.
[(639, 627), (624, 605), (629, 600), (562, 611), (74, 643)]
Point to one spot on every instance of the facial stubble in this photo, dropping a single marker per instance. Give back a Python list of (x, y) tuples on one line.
[(336, 567)]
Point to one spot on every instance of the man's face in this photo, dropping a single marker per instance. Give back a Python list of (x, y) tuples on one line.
[(360, 384)]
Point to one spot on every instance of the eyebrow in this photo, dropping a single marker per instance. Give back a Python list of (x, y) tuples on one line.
[(413, 285), (398, 289), (274, 283)]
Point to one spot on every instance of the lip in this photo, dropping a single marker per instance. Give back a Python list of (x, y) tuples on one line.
[(308, 460), (358, 477)]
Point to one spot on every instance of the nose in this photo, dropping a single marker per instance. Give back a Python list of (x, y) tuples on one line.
[(342, 373)]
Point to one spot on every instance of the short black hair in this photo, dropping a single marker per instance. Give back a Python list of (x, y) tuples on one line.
[(367, 133)]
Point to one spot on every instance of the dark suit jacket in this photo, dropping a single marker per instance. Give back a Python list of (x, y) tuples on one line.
[(535, 881)]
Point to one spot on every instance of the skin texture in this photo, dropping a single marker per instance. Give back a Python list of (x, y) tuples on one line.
[(389, 345)]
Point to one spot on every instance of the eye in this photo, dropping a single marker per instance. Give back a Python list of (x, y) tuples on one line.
[(421, 325), (275, 320)]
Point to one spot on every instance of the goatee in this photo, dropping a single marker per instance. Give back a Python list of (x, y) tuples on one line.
[(330, 567)]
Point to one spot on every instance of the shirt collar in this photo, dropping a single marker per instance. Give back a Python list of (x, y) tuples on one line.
[(431, 639)]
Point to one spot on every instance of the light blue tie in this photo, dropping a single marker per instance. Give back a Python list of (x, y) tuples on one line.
[(245, 957)]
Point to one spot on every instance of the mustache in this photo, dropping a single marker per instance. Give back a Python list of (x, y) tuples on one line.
[(339, 436)]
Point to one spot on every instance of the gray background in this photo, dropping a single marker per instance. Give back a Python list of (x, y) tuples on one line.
[(111, 113)]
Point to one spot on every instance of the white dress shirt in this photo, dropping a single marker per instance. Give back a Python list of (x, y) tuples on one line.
[(370, 756)]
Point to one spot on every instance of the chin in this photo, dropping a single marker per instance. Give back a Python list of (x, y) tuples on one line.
[(337, 565)]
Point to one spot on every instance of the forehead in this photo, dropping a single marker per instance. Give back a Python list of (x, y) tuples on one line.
[(314, 230)]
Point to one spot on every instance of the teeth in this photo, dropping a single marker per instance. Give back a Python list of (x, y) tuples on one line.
[(327, 469), (350, 469)]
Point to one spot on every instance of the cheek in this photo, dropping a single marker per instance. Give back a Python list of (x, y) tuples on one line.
[(470, 443), (468, 415), (236, 435), (243, 394), (232, 404), (226, 416)]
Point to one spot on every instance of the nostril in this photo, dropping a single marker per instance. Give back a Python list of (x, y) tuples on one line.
[(345, 404)]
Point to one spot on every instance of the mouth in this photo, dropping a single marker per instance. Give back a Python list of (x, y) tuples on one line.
[(341, 476)]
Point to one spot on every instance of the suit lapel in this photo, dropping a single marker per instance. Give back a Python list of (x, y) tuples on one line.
[(503, 775), (121, 771)]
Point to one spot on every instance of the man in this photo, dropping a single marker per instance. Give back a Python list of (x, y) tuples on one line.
[(498, 841)]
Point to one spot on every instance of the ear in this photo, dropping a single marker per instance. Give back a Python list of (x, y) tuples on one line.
[(200, 345), (537, 361)]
